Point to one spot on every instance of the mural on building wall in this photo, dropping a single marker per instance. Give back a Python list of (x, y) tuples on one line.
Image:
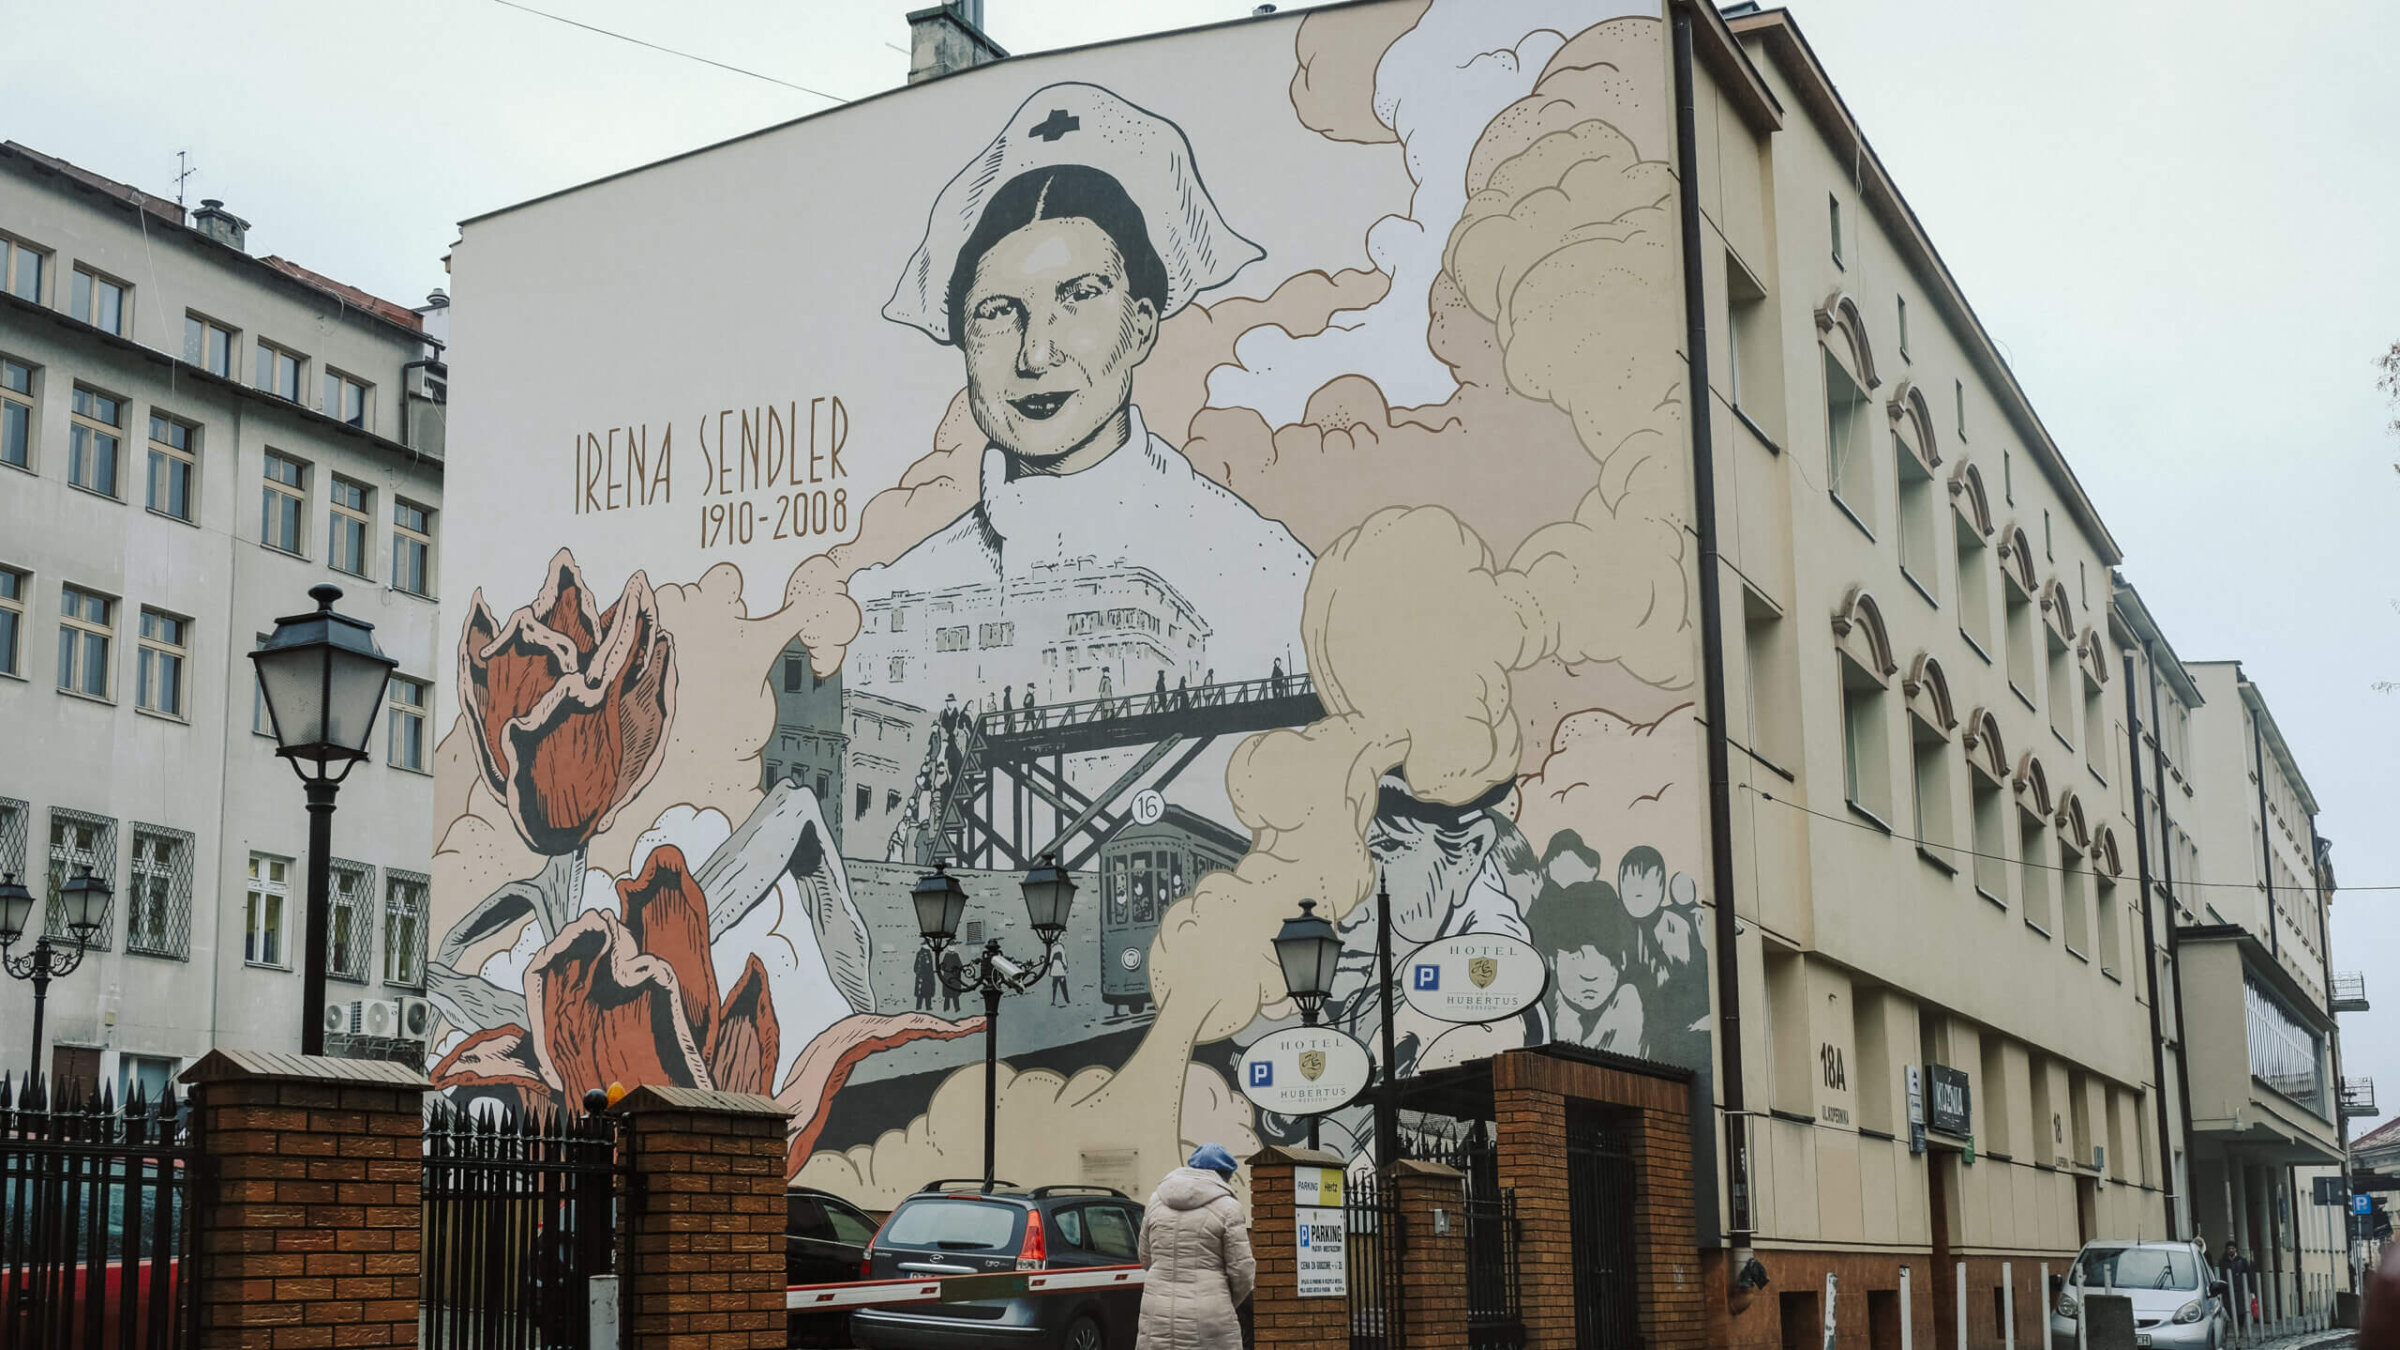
[(1228, 579)]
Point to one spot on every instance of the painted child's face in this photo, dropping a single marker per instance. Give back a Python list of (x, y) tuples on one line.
[(1642, 890), (1586, 977)]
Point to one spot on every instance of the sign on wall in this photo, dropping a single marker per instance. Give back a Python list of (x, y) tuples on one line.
[(1951, 1100), (1314, 1187), (1474, 977), (1305, 1071), (1324, 1269), (1916, 1109)]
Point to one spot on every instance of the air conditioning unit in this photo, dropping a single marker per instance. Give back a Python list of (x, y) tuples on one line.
[(415, 1018), (377, 1017), (337, 1019)]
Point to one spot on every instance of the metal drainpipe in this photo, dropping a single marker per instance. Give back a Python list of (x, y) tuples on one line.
[(2266, 840), (2141, 848), (1712, 650), (2166, 869)]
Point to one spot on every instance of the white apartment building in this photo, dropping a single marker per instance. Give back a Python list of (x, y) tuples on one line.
[(190, 438), (2269, 1107)]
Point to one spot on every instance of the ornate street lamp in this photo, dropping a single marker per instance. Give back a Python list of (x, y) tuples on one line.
[(83, 902), (323, 678), (940, 902), (1308, 949)]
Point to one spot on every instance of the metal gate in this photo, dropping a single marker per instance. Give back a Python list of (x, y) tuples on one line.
[(1372, 1244), (94, 1222), (520, 1212), (1600, 1201)]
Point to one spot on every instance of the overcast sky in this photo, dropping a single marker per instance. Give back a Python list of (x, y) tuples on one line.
[(2176, 218)]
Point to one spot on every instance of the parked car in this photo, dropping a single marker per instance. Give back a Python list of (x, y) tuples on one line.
[(824, 1237), (824, 1242), (2179, 1301), (958, 1228)]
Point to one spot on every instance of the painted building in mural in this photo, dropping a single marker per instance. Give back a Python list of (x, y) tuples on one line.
[(1282, 485)]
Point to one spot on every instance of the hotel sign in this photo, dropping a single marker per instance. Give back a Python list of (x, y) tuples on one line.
[(1305, 1071), (1474, 977)]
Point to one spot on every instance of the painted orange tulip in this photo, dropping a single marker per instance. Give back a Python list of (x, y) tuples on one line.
[(570, 705)]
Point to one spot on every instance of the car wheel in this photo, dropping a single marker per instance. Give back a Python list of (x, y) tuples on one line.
[(1083, 1335)]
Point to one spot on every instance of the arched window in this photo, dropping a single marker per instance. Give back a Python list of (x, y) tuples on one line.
[(1971, 532), (2016, 613), (1849, 363), (1863, 650), (1987, 803), (2036, 879), (1914, 459), (2058, 636), (1930, 722)]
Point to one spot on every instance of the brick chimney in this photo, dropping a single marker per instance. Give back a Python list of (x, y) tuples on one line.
[(213, 220), (948, 38)]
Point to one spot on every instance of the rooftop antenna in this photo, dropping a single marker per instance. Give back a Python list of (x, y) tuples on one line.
[(184, 168)]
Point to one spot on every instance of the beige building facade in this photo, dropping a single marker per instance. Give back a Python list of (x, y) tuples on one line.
[(1931, 807), (190, 438)]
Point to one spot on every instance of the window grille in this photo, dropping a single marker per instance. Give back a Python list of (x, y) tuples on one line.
[(350, 931), (158, 920), (404, 919), (80, 839), (13, 814)]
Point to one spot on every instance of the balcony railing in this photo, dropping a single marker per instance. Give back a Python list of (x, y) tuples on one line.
[(2349, 991), (2358, 1097)]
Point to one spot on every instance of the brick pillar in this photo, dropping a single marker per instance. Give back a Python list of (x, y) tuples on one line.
[(707, 1221), (1673, 1299), (1281, 1317), (305, 1217), (1433, 1258), (1532, 1132)]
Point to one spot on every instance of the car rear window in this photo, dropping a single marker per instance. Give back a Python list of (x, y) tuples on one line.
[(954, 1225), (2138, 1268)]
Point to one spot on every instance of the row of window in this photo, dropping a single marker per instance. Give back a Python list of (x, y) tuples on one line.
[(96, 447), (158, 897), (106, 303), (351, 937), (2065, 879), (87, 637)]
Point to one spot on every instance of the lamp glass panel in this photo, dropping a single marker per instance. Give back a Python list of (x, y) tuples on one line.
[(1049, 895), (16, 909), (293, 679), (358, 683), (939, 907)]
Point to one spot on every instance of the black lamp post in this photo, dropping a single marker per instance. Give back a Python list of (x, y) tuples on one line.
[(940, 902), (323, 677), (1308, 949), (83, 900), (1387, 1095)]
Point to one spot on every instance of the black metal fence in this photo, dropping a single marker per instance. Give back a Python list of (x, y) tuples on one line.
[(1373, 1241), (1495, 1317), (520, 1212), (94, 1221), (1600, 1201)]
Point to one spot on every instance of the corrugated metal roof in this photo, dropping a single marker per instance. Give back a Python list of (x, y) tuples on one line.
[(219, 1066)]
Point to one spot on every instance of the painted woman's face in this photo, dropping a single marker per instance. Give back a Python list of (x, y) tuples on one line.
[(1052, 337)]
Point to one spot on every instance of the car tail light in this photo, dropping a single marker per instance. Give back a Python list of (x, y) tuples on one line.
[(1035, 1254), (866, 1254)]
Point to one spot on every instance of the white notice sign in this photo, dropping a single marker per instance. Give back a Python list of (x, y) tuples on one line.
[(1324, 1270)]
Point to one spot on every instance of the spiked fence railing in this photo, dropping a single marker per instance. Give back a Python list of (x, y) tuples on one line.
[(95, 1220), (521, 1210)]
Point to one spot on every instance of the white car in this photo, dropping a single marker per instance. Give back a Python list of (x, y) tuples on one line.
[(2179, 1301)]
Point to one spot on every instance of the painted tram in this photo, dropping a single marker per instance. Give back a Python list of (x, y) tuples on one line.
[(1144, 869)]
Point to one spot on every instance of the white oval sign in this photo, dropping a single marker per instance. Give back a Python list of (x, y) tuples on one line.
[(1148, 807), (1474, 977), (1305, 1071)]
